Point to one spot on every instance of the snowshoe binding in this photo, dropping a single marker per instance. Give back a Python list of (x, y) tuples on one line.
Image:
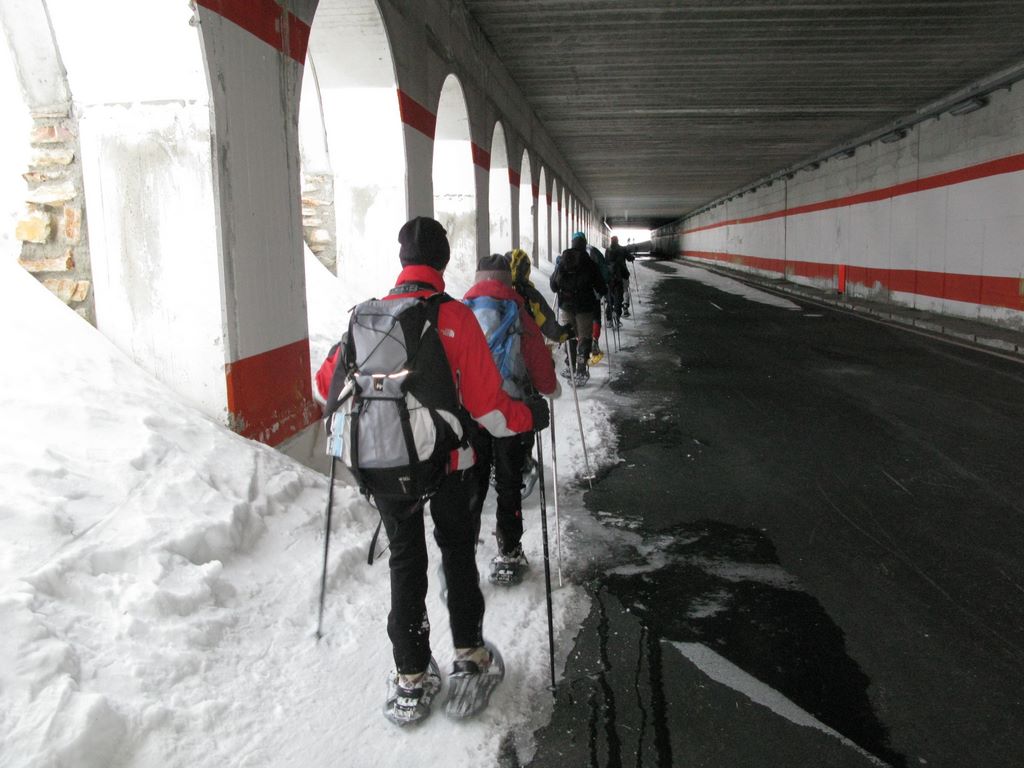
[(408, 701), (474, 677), (507, 570)]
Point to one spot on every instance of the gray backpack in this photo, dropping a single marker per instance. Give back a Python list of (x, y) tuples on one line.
[(393, 414)]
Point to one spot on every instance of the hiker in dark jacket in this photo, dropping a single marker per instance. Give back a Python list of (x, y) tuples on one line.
[(578, 284), (618, 281), (424, 255), (525, 364)]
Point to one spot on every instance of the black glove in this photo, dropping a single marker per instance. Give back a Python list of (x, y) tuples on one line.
[(539, 410)]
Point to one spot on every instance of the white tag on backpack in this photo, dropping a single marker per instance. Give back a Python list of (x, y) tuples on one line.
[(336, 436)]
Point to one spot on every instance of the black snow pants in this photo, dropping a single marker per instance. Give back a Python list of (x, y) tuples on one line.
[(507, 454), (456, 514)]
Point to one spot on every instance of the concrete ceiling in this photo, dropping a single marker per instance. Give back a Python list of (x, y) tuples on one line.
[(661, 106)]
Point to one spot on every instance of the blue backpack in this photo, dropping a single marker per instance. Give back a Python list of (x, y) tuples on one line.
[(499, 320)]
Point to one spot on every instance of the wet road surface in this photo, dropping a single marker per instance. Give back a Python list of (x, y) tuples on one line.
[(822, 557)]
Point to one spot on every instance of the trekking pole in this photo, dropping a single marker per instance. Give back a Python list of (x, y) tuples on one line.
[(609, 338), (547, 563), (554, 469), (579, 418), (636, 281), (327, 542)]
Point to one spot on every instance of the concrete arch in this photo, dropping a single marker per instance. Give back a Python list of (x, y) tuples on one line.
[(543, 218), (566, 218), (556, 217), (193, 174), (454, 184), (527, 208), (190, 175), (354, 169), (499, 197)]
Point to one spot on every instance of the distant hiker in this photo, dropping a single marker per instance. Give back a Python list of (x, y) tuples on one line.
[(578, 283), (524, 362), (413, 322), (618, 281), (543, 315)]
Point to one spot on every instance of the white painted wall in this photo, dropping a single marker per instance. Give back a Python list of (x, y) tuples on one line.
[(258, 190), (965, 227), (543, 219), (154, 242)]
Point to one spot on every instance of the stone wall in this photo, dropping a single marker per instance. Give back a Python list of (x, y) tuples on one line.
[(318, 219), (52, 230)]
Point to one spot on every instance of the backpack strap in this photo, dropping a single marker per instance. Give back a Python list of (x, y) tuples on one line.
[(413, 286)]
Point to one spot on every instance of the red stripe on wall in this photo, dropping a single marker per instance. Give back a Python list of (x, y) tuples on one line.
[(536, 190), (270, 394), (298, 38), (415, 115), (1007, 292), (513, 178), (481, 157), (1004, 165), (264, 19)]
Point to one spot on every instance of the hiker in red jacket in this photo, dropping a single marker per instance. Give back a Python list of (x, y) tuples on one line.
[(478, 667), (525, 363)]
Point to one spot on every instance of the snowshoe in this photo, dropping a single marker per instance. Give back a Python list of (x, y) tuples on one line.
[(409, 703), (471, 683), (530, 475), (582, 378), (508, 570)]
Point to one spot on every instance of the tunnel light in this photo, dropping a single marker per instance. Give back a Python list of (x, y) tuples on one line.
[(968, 105), (892, 136)]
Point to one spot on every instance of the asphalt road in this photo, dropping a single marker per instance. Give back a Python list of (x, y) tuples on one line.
[(825, 564)]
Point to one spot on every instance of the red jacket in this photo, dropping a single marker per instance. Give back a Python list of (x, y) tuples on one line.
[(535, 352), (476, 378)]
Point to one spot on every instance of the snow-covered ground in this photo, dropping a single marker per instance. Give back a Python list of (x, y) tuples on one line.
[(728, 285), (159, 574)]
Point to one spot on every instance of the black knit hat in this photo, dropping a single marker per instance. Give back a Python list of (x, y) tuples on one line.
[(494, 267), (424, 242)]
